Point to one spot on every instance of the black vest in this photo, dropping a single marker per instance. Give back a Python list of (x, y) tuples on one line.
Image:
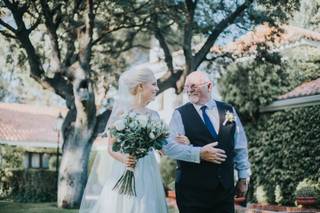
[(207, 175)]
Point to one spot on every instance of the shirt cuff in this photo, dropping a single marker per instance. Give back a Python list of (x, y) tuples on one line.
[(196, 154), (244, 174)]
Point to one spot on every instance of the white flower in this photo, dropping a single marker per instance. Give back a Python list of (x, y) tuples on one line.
[(151, 135), (132, 125), (120, 125), (143, 120), (132, 114), (229, 117)]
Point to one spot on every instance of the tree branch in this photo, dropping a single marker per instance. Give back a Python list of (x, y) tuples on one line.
[(58, 83), (159, 36), (120, 27), (187, 37), (200, 55), (52, 30), (61, 86), (7, 26), (85, 36), (169, 80), (35, 25), (7, 35), (101, 123)]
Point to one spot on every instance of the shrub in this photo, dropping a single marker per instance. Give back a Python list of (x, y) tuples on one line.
[(306, 191), (284, 146), (33, 185), (168, 169), (308, 188), (10, 158), (283, 149)]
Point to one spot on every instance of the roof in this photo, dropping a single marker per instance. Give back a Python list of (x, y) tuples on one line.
[(29, 124), (307, 94), (33, 126), (305, 89), (274, 38)]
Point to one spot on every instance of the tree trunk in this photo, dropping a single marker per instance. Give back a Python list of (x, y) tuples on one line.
[(73, 171), (78, 133)]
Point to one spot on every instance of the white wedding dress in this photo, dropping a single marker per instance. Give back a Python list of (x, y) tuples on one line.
[(150, 195)]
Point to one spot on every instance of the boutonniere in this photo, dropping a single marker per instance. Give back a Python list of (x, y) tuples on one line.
[(229, 118)]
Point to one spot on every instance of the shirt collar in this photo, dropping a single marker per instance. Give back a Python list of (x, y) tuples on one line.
[(210, 104)]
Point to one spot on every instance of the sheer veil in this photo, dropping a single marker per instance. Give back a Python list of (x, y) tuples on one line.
[(103, 163)]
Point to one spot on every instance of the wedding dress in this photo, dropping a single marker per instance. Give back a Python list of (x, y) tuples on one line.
[(99, 196), (150, 196)]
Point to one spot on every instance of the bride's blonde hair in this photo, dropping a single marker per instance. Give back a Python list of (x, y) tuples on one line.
[(134, 77)]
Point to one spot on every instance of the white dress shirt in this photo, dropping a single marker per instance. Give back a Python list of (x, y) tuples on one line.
[(192, 154)]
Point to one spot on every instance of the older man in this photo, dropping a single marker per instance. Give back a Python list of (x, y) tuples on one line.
[(205, 184)]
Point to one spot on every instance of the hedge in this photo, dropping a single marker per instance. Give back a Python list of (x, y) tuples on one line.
[(33, 186), (284, 149)]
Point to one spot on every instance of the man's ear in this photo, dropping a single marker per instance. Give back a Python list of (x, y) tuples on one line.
[(210, 86)]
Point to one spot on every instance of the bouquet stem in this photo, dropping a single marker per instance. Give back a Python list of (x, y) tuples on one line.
[(126, 184)]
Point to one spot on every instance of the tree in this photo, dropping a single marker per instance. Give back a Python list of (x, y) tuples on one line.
[(63, 43), (196, 21), (253, 83), (308, 15)]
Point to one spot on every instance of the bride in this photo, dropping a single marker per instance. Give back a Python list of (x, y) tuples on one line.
[(136, 89)]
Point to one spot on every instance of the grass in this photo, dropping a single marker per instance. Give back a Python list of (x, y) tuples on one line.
[(12, 207)]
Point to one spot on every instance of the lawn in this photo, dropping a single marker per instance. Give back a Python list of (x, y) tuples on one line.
[(11, 207)]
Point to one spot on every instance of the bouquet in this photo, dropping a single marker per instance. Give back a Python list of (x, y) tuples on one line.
[(136, 135)]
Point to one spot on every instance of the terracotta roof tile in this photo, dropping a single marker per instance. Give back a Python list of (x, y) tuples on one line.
[(247, 44), (20, 122), (305, 89), (30, 123)]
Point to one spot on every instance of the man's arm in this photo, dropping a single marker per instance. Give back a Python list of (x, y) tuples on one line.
[(241, 160), (180, 151), (188, 152)]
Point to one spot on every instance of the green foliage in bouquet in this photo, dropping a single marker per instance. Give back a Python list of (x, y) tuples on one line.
[(136, 135)]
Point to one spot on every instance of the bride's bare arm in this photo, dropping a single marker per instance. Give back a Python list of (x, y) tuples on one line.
[(123, 158)]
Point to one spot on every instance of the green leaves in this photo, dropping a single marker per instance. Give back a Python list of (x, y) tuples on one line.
[(284, 149), (251, 84), (136, 134)]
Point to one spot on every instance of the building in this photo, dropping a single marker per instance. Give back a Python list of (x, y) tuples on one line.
[(306, 94), (32, 128)]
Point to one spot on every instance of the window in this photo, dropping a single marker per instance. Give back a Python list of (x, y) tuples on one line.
[(35, 160)]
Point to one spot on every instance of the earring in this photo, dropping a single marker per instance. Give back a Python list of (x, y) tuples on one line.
[(140, 98)]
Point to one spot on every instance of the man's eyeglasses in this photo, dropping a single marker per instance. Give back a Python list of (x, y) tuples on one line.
[(194, 86)]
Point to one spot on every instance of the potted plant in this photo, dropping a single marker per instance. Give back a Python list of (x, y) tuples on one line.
[(239, 200), (307, 195)]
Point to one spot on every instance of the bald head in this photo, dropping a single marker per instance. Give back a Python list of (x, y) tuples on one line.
[(197, 78)]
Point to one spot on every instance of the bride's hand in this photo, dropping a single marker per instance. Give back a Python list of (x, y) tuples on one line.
[(182, 139), (129, 160)]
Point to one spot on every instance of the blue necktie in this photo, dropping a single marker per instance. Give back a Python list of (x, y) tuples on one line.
[(208, 123)]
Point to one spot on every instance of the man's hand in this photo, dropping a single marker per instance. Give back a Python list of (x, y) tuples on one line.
[(211, 154), (241, 188)]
